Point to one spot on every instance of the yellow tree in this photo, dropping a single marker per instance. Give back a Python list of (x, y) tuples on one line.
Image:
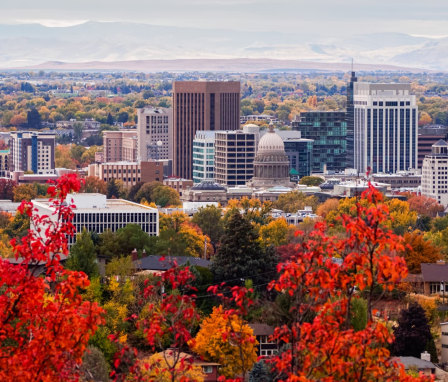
[(214, 343), (156, 368), (274, 233)]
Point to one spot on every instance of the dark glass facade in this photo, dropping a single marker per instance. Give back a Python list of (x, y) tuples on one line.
[(329, 132), (351, 121), (300, 155)]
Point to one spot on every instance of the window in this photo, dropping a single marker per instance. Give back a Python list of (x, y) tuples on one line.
[(207, 369)]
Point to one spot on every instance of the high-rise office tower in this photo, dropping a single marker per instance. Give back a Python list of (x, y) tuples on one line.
[(235, 154), (350, 118), (201, 105), (386, 137), (328, 129), (154, 132)]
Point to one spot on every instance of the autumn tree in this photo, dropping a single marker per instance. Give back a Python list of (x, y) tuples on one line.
[(25, 192), (424, 205), (255, 211), (274, 233), (169, 318), (44, 312), (216, 343), (94, 184), (418, 250), (293, 201), (320, 343), (7, 189), (159, 369)]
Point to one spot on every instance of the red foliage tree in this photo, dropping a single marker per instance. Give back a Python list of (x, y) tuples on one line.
[(320, 342), (424, 205), (44, 323), (170, 319)]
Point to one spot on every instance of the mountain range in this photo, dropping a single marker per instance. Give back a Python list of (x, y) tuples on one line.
[(133, 46)]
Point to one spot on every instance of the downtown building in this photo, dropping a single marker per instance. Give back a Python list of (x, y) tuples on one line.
[(234, 155), (328, 130), (154, 133), (204, 156), (385, 128), (120, 146), (435, 173), (32, 151), (95, 213), (201, 105)]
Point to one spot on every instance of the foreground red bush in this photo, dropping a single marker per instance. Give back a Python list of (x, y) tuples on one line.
[(44, 323)]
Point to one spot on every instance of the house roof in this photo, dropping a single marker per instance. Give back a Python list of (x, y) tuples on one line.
[(262, 329), (420, 364), (434, 272), (153, 262)]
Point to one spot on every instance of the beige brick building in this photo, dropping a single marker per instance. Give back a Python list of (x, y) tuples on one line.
[(120, 145), (130, 173)]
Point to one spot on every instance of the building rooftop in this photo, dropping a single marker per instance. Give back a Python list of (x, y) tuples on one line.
[(98, 203), (410, 362), (154, 263), (208, 186), (436, 272)]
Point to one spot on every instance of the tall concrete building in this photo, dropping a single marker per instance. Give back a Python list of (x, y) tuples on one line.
[(435, 173), (154, 131), (385, 121), (120, 146), (32, 151), (200, 105), (234, 155)]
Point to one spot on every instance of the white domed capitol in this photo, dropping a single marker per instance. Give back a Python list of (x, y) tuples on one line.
[(271, 165)]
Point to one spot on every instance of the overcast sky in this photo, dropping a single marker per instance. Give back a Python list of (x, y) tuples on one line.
[(323, 17)]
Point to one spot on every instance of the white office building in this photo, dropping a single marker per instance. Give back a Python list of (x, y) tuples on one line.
[(385, 124), (154, 132), (203, 156), (95, 213), (435, 173)]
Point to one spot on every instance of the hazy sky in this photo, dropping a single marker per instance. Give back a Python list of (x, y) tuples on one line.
[(322, 17)]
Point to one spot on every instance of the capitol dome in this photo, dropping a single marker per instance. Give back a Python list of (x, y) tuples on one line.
[(271, 164), (271, 143)]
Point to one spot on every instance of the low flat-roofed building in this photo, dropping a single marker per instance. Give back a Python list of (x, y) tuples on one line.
[(97, 214), (130, 173), (351, 189)]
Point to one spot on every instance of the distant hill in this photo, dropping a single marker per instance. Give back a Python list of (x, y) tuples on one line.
[(121, 45), (215, 65)]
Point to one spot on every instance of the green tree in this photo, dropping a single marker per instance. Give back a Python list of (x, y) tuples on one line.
[(33, 119), (412, 333), (108, 246), (240, 255), (311, 180), (78, 128), (82, 255), (120, 266), (165, 196), (145, 191), (210, 220), (113, 191), (132, 237)]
